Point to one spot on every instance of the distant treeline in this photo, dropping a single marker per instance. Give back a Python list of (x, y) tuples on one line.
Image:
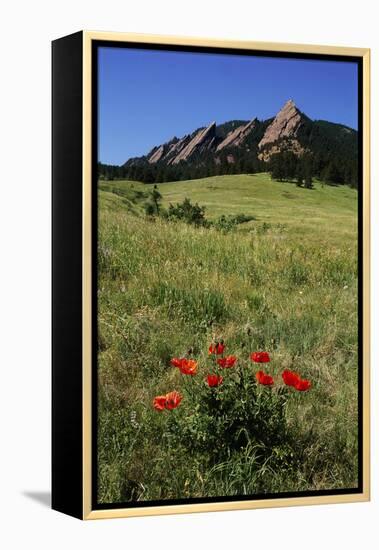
[(161, 172), (287, 166), (283, 166)]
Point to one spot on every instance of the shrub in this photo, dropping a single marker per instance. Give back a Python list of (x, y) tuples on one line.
[(188, 212), (229, 417), (228, 223), (150, 209), (228, 407)]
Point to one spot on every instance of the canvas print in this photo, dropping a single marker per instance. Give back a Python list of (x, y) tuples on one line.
[(228, 192)]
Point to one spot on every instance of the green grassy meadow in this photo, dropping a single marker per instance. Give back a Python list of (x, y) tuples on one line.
[(285, 282)]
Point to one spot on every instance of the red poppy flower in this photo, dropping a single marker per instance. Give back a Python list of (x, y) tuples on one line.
[(264, 379), (214, 380), (260, 357), (176, 362), (290, 378), (302, 385), (227, 362), (188, 366), (173, 400), (217, 348), (159, 402)]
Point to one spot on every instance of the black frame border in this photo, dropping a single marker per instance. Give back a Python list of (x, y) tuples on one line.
[(96, 44)]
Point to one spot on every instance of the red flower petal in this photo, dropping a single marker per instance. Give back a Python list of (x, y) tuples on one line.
[(227, 362), (188, 366), (267, 380), (173, 400), (260, 357), (214, 380), (303, 385), (259, 375), (231, 360), (290, 378), (264, 379), (217, 348), (176, 362), (220, 348), (159, 402)]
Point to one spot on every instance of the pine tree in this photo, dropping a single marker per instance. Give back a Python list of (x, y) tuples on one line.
[(308, 169), (277, 167), (156, 198), (299, 173)]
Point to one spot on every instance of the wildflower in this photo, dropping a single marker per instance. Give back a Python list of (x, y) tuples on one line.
[(227, 362), (176, 362), (260, 357), (133, 419), (302, 385), (169, 401), (173, 400), (264, 379), (213, 380), (159, 402), (290, 378), (217, 348), (186, 366)]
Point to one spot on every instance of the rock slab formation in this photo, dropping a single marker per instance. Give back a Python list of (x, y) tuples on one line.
[(236, 137), (285, 125), (290, 130)]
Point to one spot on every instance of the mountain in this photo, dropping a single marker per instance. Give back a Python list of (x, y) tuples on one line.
[(239, 146), (195, 147), (285, 124), (283, 132), (237, 137)]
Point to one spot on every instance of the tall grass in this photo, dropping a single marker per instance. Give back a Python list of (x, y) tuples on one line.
[(166, 289)]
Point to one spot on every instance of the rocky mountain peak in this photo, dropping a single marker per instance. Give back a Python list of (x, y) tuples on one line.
[(285, 124), (202, 140), (289, 105), (236, 137), (247, 143), (156, 154)]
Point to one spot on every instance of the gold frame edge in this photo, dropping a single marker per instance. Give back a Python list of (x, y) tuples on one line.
[(87, 279), (364, 496)]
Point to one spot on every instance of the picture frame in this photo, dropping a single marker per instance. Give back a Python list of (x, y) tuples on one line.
[(76, 138)]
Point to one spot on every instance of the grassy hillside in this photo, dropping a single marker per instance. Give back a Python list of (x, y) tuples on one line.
[(304, 211), (285, 283)]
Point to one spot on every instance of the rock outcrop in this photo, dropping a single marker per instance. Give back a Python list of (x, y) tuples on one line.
[(201, 141), (285, 125), (157, 154), (236, 137), (292, 145), (246, 143), (177, 150)]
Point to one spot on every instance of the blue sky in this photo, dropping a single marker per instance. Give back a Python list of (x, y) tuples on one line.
[(147, 97)]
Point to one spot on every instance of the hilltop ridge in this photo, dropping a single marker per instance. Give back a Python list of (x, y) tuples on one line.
[(240, 146)]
